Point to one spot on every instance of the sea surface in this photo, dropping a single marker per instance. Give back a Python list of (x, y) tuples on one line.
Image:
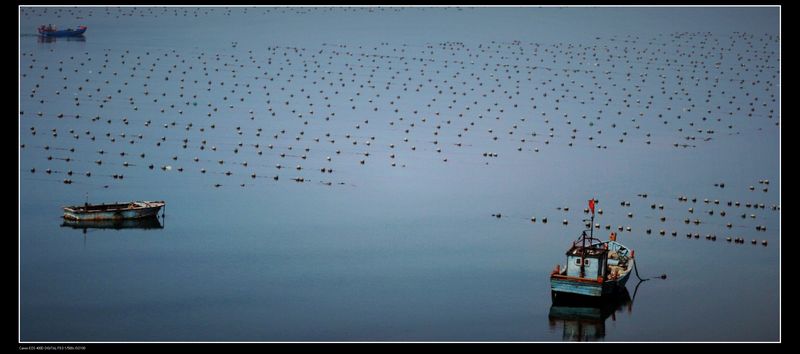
[(413, 129)]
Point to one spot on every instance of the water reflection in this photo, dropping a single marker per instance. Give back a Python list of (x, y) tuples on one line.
[(584, 321), (143, 223), (44, 39)]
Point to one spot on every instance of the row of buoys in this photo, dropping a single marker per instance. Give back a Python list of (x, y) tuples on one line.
[(662, 232), (741, 240), (710, 237)]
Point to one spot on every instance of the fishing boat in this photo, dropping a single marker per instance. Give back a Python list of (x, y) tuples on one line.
[(52, 32), (116, 211), (594, 269)]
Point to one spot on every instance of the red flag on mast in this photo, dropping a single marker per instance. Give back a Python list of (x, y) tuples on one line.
[(591, 205)]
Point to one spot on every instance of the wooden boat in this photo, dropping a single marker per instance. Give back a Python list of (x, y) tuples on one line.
[(51, 32), (594, 269), (117, 211)]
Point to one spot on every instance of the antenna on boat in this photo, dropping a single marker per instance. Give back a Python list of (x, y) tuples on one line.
[(583, 238), (86, 202), (591, 226)]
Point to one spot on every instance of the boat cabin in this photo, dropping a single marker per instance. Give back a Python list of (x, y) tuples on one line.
[(587, 262)]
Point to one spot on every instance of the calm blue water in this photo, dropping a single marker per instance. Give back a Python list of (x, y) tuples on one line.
[(410, 251)]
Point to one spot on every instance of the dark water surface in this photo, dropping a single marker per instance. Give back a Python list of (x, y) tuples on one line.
[(410, 252)]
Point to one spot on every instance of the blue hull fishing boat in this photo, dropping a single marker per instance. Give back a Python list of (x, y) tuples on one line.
[(117, 211), (51, 32), (595, 269)]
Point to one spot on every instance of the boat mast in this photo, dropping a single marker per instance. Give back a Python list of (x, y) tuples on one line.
[(591, 226), (583, 253), (583, 239)]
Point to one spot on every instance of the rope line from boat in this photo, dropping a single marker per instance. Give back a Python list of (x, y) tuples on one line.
[(636, 269)]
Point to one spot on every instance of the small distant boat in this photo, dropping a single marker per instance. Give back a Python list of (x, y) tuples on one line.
[(116, 211), (595, 268), (52, 32)]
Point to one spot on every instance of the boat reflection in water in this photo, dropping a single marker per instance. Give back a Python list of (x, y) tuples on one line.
[(583, 320), (119, 224), (44, 39)]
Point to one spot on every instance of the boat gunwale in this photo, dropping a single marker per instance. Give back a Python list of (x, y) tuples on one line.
[(577, 279)]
